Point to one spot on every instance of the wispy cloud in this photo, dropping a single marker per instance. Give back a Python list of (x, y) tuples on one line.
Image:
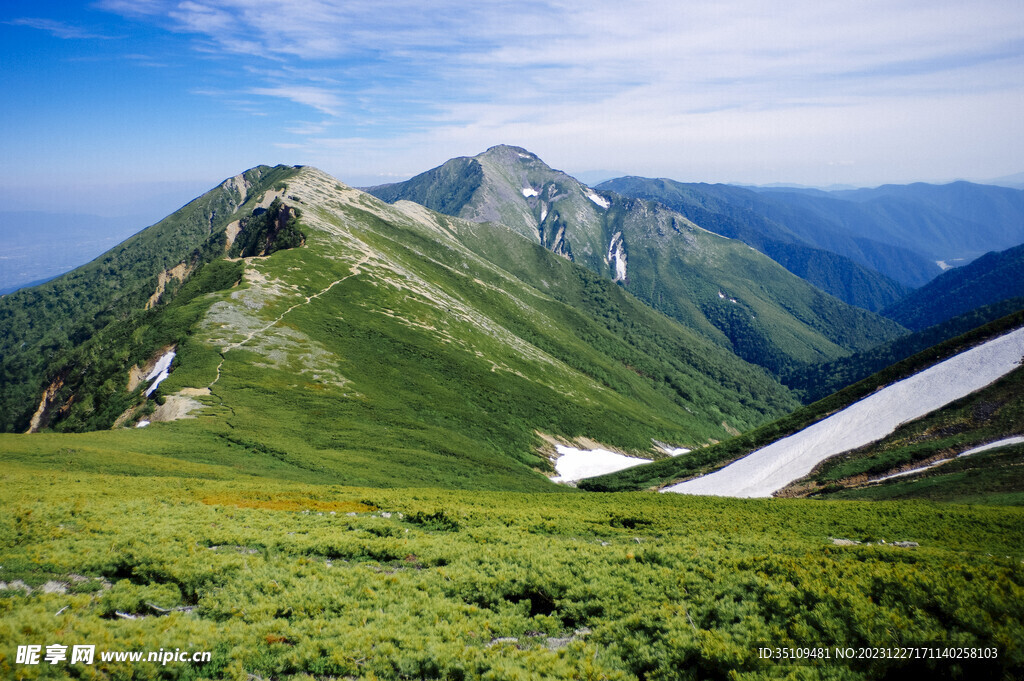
[(59, 29), (322, 100)]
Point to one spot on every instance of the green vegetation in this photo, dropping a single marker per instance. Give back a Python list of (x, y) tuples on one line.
[(739, 213), (265, 232), (718, 288), (93, 374), (989, 477), (281, 579), (446, 189)]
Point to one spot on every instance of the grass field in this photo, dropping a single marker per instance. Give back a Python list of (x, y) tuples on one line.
[(280, 578)]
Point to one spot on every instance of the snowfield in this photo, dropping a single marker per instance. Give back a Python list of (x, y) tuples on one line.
[(577, 464), (598, 199), (529, 191), (160, 371), (771, 468)]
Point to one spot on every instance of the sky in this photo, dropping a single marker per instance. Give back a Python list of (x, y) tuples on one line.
[(116, 101)]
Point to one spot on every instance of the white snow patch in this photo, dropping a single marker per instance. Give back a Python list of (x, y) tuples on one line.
[(599, 200), (982, 448), (529, 191), (617, 257), (943, 265), (524, 156), (142, 424), (992, 445), (160, 371), (721, 295), (543, 212), (576, 464), (676, 451), (771, 468)]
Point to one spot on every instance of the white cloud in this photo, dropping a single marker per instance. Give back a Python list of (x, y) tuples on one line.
[(735, 88), (320, 99)]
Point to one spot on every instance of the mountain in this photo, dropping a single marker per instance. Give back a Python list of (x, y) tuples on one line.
[(382, 342), (944, 224), (332, 420), (39, 326), (992, 278), (738, 213), (719, 287)]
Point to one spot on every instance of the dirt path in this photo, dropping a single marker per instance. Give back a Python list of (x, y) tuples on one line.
[(353, 271)]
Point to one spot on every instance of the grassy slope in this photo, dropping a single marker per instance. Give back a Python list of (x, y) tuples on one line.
[(679, 269), (711, 458), (291, 579)]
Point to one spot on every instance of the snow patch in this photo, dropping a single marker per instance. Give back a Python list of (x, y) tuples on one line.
[(543, 211), (982, 448), (599, 200), (771, 468), (943, 265), (617, 257), (529, 191), (721, 295), (160, 371), (576, 464), (992, 445), (142, 424)]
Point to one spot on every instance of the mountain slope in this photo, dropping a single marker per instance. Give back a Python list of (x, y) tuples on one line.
[(719, 287), (1004, 336), (40, 325), (990, 279), (384, 349), (735, 212)]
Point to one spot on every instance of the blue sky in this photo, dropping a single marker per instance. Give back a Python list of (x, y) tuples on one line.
[(117, 98)]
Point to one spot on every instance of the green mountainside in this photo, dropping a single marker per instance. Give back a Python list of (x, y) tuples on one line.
[(735, 212), (992, 278), (789, 216), (41, 326), (719, 287), (387, 345)]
